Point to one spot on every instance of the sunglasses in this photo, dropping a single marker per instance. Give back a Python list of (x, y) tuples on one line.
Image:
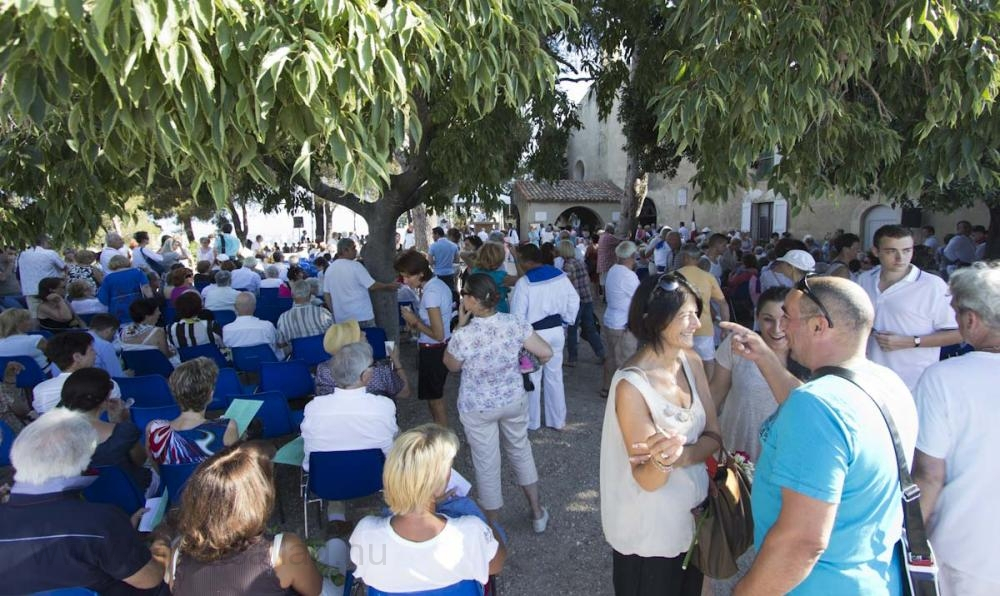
[(803, 286), (668, 283)]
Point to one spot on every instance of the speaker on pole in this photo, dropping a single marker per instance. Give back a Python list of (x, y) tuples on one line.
[(912, 217), (298, 221)]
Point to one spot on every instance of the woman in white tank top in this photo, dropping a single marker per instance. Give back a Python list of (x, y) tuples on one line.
[(659, 427)]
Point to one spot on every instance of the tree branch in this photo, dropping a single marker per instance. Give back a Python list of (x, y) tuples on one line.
[(882, 110), (575, 79)]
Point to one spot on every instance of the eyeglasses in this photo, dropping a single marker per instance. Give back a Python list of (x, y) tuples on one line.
[(668, 283), (803, 286)]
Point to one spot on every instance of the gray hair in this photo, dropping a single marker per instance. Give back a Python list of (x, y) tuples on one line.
[(301, 289), (223, 278), (977, 288), (344, 244), (691, 252), (250, 262), (349, 363), (566, 249), (625, 250), (246, 303), (57, 445), (272, 272)]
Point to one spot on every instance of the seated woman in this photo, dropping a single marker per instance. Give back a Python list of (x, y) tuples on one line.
[(82, 300), (14, 339), (423, 550), (85, 269), (190, 437), (190, 329), (272, 279), (387, 378), (180, 280), (88, 391), (142, 333), (15, 407), (54, 313), (223, 547)]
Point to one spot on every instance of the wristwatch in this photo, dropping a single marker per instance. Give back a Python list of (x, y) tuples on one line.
[(916, 341)]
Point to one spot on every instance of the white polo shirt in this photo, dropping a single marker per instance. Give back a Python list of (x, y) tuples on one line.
[(35, 264), (619, 287), (916, 305), (47, 394), (347, 282), (247, 331), (107, 253), (348, 419)]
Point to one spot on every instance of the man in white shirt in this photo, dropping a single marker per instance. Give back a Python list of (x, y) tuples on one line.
[(684, 232), (143, 255), (70, 351), (246, 277), (546, 298), (114, 245), (660, 250), (350, 418), (619, 287), (248, 330), (34, 265), (409, 238), (346, 284), (220, 295), (961, 250), (303, 319), (913, 318)]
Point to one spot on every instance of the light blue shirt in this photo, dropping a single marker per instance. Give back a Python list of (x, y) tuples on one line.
[(107, 357), (828, 441), (444, 252)]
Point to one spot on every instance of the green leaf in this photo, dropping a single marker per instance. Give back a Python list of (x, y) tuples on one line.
[(145, 13), (101, 14), (273, 63), (303, 163), (201, 63)]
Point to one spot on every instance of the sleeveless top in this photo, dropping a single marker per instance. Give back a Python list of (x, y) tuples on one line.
[(655, 523), (169, 446), (248, 573)]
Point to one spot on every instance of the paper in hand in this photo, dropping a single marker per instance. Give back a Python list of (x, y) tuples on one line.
[(458, 484), (242, 411), (292, 453), (155, 508)]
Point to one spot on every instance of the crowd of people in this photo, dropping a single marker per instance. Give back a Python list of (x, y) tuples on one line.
[(707, 341)]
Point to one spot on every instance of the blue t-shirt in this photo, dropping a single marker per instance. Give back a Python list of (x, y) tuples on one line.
[(444, 252), (120, 289), (828, 441)]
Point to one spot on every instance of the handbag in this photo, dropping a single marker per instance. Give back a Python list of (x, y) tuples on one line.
[(723, 521), (528, 363), (920, 572)]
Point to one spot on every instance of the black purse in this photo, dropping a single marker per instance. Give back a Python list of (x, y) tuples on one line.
[(920, 577)]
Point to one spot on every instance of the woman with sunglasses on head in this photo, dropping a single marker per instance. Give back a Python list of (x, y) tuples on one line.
[(657, 433)]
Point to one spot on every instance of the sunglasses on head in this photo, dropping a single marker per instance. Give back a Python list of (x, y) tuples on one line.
[(803, 286), (668, 283)]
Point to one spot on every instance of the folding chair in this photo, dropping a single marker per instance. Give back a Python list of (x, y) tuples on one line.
[(468, 587), (249, 358), (175, 477), (6, 438), (209, 350), (310, 349), (272, 312), (376, 338), (342, 476), (115, 487), (224, 317), (68, 592), (30, 376), (169, 313), (227, 386), (290, 378), (148, 391), (148, 362), (268, 296), (43, 332), (86, 317), (275, 416), (141, 417)]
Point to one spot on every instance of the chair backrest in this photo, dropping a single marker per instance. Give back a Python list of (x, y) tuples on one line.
[(175, 477), (86, 317), (344, 475), (208, 350), (249, 358), (6, 438), (226, 385), (267, 296), (30, 376), (224, 317), (310, 349), (148, 391), (147, 362), (290, 378), (169, 313), (466, 587), (275, 415), (376, 338), (272, 312), (141, 416), (43, 332), (68, 592), (115, 487)]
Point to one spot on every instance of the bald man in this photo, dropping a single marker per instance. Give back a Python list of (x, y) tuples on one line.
[(826, 497), (113, 245), (248, 330)]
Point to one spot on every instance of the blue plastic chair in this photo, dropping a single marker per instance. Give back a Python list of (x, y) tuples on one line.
[(209, 350), (86, 317), (141, 417), (175, 477), (147, 362), (169, 313), (227, 385), (30, 376), (43, 332), (310, 349), (268, 296), (148, 391), (468, 587), (341, 476), (6, 439), (290, 378), (115, 487), (68, 592), (376, 339), (249, 358), (272, 312), (277, 419), (224, 317)]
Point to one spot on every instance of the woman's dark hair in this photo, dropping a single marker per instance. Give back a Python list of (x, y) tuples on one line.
[(47, 286), (296, 273), (844, 241), (86, 389), (178, 276), (749, 261), (548, 253), (188, 305), (654, 305), (142, 308), (412, 262), (474, 240), (482, 287), (774, 294)]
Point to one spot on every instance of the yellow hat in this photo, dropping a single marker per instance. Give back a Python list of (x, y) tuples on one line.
[(341, 334)]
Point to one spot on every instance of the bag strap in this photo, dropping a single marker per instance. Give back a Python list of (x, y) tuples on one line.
[(913, 520)]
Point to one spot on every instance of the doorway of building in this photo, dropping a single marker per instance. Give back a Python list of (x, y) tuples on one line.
[(579, 218), (647, 214), (875, 218)]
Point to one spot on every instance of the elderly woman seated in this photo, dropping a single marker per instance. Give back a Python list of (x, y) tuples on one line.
[(190, 437), (387, 378), (417, 548), (57, 539)]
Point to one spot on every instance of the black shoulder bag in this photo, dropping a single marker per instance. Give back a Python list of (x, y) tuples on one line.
[(920, 567)]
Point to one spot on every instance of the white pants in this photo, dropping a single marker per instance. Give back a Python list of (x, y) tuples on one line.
[(958, 583), (486, 431), (550, 376)]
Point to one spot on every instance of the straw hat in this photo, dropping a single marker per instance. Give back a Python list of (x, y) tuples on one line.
[(341, 334)]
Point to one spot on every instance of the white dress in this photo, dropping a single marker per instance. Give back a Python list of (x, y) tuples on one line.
[(654, 523)]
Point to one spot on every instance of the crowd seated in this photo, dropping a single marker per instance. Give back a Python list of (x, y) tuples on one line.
[(70, 352)]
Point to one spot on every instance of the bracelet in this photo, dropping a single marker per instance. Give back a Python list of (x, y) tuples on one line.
[(665, 468)]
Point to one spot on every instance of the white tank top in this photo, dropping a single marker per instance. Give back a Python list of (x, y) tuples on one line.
[(655, 523)]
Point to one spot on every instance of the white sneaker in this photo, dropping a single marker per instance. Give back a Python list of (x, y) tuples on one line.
[(541, 523)]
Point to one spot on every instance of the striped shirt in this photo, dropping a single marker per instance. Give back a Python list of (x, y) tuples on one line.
[(303, 320), (193, 332), (577, 274)]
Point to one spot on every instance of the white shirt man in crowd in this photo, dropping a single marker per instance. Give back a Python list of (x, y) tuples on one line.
[(660, 250), (961, 250), (913, 318), (70, 351), (346, 286), (142, 253), (619, 287), (959, 423), (34, 265), (248, 330), (303, 319), (545, 297), (113, 245), (220, 295), (246, 277)]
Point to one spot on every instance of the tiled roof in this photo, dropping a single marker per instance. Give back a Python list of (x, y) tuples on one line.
[(568, 191)]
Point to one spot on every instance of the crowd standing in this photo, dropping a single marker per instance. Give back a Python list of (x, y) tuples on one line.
[(708, 343)]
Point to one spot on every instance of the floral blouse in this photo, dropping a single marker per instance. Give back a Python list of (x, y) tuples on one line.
[(488, 348)]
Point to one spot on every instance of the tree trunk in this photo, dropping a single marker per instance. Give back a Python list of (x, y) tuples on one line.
[(421, 233), (993, 237), (379, 254), (632, 195), (320, 209), (238, 222), (188, 228)]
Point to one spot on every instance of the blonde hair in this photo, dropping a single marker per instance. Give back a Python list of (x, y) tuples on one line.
[(85, 257), (118, 262), (193, 382), (418, 466), (490, 256), (11, 319), (566, 249), (78, 289)]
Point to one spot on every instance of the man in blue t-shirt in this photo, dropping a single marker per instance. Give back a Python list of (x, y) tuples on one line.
[(443, 252), (826, 499)]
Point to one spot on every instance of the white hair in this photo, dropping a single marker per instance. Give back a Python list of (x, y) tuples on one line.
[(349, 363), (57, 445), (301, 289), (272, 271), (223, 279), (625, 250), (977, 288)]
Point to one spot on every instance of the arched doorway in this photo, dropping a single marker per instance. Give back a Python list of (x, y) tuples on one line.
[(579, 218), (514, 218), (647, 214), (580, 170), (875, 218)]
